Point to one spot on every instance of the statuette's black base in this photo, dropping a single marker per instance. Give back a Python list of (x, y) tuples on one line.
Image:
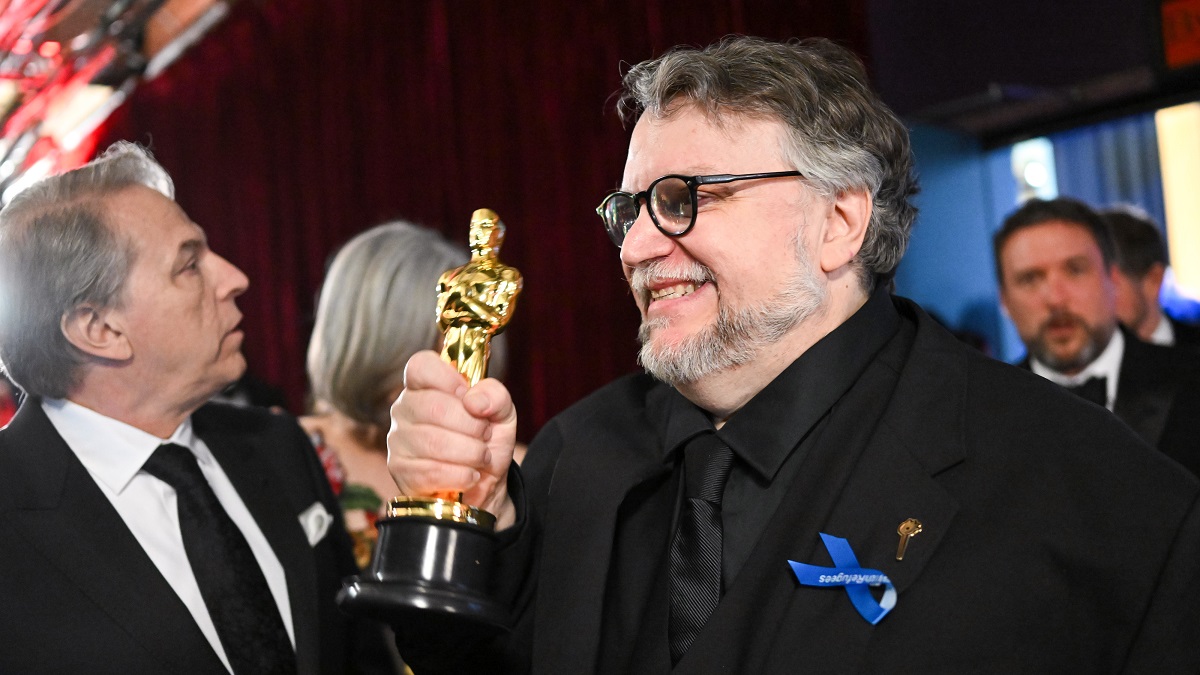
[(427, 570)]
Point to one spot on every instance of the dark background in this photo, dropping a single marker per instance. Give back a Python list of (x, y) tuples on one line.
[(296, 124)]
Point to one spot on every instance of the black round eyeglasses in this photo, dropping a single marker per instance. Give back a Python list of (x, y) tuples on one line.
[(671, 200)]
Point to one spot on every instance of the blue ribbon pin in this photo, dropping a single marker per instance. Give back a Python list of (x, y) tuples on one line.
[(853, 577)]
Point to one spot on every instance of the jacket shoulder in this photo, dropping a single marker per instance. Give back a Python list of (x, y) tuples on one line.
[(624, 398), (276, 437), (1022, 417), (620, 412), (1010, 421), (241, 419)]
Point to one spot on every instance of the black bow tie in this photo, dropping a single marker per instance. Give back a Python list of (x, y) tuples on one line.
[(1095, 389)]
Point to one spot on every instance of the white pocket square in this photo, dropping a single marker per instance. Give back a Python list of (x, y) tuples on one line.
[(316, 521)]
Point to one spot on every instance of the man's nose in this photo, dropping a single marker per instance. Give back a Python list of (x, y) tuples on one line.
[(233, 281), (1056, 291), (644, 241)]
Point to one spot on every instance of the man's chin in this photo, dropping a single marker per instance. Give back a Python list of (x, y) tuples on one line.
[(234, 373), (239, 365), (1063, 360), (680, 359)]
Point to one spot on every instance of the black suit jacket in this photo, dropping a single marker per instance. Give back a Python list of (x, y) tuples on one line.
[(78, 593), (1186, 334), (1158, 396), (1054, 539)]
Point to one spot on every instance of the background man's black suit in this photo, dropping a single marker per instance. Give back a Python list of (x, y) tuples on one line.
[(1158, 396), (1186, 334), (78, 593)]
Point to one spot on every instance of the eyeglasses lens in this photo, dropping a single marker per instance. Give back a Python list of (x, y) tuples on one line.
[(619, 212), (671, 201)]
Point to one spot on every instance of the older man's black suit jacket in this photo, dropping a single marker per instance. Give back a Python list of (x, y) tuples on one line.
[(78, 594), (1054, 539)]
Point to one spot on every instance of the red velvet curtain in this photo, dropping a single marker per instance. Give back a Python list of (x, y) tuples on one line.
[(296, 124)]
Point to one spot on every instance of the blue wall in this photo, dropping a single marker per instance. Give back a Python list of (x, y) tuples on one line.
[(948, 269), (1111, 163)]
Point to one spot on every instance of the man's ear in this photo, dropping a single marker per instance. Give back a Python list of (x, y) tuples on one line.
[(1002, 290), (1153, 280), (1114, 274), (97, 332), (845, 229)]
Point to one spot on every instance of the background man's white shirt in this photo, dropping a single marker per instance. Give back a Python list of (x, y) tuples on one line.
[(1164, 332), (113, 454)]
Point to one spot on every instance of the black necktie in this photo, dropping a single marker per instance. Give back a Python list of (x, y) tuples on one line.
[(696, 549), (231, 582), (1095, 389)]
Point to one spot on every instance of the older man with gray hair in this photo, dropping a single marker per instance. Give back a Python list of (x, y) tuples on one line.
[(812, 476), (145, 531)]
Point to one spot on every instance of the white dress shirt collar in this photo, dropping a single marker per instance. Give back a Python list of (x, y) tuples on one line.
[(1164, 333), (112, 451)]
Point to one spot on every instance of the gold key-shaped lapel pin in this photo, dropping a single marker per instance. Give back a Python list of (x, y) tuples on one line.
[(908, 529)]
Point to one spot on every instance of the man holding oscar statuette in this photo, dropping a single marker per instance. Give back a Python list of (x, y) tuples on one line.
[(812, 475)]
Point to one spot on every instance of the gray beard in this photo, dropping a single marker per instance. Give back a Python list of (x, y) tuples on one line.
[(737, 336)]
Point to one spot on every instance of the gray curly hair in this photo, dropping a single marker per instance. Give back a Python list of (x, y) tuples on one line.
[(842, 136)]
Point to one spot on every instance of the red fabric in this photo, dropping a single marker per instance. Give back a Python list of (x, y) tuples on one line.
[(296, 124), (8, 405)]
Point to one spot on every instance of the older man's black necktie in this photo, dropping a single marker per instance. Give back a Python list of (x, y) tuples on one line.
[(696, 549), (231, 582), (1095, 389)]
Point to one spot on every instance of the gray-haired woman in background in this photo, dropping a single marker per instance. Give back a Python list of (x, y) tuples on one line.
[(376, 309)]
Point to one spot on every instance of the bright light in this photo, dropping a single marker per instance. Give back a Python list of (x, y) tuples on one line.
[(1036, 175), (49, 49), (1032, 164), (1178, 131), (76, 113), (38, 171)]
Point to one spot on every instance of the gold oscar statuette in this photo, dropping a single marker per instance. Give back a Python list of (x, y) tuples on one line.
[(475, 301), (432, 560)]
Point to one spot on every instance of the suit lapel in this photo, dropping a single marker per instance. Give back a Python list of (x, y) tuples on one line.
[(246, 464), (1145, 390), (62, 514), (893, 480), (859, 483)]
